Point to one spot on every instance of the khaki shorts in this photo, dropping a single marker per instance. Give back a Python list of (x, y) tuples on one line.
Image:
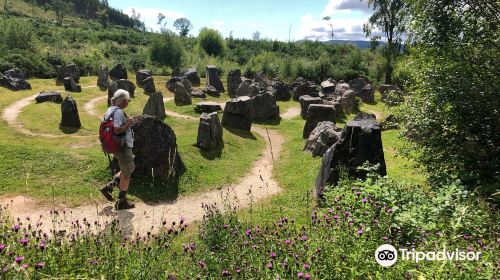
[(125, 159)]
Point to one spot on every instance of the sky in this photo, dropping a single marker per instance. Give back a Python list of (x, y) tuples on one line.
[(273, 19)]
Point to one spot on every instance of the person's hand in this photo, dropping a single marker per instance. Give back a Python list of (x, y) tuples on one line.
[(129, 122)]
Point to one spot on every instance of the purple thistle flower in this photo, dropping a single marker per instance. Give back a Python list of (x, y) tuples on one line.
[(93, 262), (202, 264), (269, 266), (304, 238), (390, 210), (2, 247), (238, 269), (300, 275), (225, 226), (273, 255), (225, 273), (360, 231), (19, 259), (385, 238), (16, 228), (24, 266), (336, 217), (307, 276), (364, 200), (307, 266), (248, 232), (288, 242), (24, 241), (318, 250), (39, 265), (358, 193)]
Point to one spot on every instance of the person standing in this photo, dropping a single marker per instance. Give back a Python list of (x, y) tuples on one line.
[(122, 127)]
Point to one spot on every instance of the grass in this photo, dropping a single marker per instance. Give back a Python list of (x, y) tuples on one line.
[(69, 170)]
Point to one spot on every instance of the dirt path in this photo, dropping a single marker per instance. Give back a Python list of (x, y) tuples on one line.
[(89, 107), (257, 185), (290, 113)]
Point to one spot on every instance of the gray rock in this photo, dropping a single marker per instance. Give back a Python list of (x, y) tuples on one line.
[(322, 137), (192, 76), (69, 113), (155, 148), (210, 133), (198, 94), (301, 87), (141, 75), (13, 79), (149, 85), (305, 101), (70, 85), (49, 96), (181, 95), (328, 86), (261, 80), (103, 77), (341, 88), (238, 113), (69, 70), (349, 102), (265, 107), (315, 114), (213, 79), (183, 80), (385, 88), (155, 106), (357, 84), (212, 91), (367, 94), (120, 84), (360, 141), (280, 90), (207, 107), (119, 72), (233, 82), (248, 88)]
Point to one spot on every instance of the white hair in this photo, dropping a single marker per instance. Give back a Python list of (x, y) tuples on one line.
[(119, 96)]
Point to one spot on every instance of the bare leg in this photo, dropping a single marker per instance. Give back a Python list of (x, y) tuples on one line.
[(124, 182)]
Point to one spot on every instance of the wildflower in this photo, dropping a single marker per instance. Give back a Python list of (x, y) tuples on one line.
[(225, 226), (358, 193), (19, 259), (238, 270), (307, 266), (16, 228), (24, 241), (300, 275), (318, 250), (2, 247), (225, 273), (385, 238), (24, 266), (248, 232), (202, 264), (304, 238), (336, 217), (273, 255), (288, 242), (390, 210), (269, 266), (42, 245), (307, 276), (93, 262), (360, 231), (364, 200)]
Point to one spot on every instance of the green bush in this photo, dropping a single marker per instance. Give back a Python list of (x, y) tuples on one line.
[(31, 64), (167, 50), (211, 41)]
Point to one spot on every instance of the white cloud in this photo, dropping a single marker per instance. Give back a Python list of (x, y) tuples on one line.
[(345, 6), (150, 16)]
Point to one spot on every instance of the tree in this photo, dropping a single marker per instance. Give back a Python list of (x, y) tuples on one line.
[(183, 25), (390, 17), (62, 8), (327, 18), (161, 23), (211, 41), (452, 118), (167, 50), (102, 13), (256, 36)]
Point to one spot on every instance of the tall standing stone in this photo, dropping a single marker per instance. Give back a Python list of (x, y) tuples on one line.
[(103, 77), (265, 107), (70, 85), (305, 101), (155, 106), (209, 132), (238, 113), (69, 112), (192, 76), (213, 79), (279, 89), (315, 114), (141, 75), (69, 70), (360, 141), (120, 84), (119, 72), (233, 82)]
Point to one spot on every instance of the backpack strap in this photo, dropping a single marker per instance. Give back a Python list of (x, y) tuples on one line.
[(112, 114)]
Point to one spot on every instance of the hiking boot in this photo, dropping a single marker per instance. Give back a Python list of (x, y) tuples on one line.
[(123, 204), (106, 192)]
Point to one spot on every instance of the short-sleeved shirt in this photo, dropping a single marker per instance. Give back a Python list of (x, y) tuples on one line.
[(119, 120)]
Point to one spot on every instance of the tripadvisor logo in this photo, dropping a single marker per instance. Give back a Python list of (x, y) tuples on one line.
[(386, 255)]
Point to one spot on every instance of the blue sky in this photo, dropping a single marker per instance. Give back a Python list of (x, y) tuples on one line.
[(271, 18)]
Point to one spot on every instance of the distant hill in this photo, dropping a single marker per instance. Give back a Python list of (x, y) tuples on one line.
[(359, 43)]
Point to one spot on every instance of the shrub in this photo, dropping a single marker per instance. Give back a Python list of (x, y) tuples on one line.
[(211, 41), (167, 50)]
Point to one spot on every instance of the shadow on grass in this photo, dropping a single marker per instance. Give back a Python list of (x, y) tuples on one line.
[(152, 193), (68, 130), (241, 133), (211, 154), (273, 122)]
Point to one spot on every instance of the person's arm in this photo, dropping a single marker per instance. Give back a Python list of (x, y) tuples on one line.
[(123, 128)]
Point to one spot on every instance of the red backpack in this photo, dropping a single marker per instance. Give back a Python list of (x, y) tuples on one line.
[(110, 142)]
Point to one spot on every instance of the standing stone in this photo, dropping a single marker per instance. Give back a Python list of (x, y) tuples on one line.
[(360, 141), (192, 76), (315, 114), (13, 79), (238, 113), (70, 85), (209, 132), (149, 85), (198, 94), (120, 84), (367, 94), (261, 80), (141, 75), (328, 86), (69, 112), (247, 88), (212, 91), (119, 72), (183, 80), (49, 96), (181, 95), (341, 88), (233, 82), (322, 137), (348, 101), (357, 84), (69, 70), (207, 107), (155, 107), (301, 87), (213, 79), (305, 101), (279, 89), (103, 77), (155, 148), (385, 88), (265, 107)]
